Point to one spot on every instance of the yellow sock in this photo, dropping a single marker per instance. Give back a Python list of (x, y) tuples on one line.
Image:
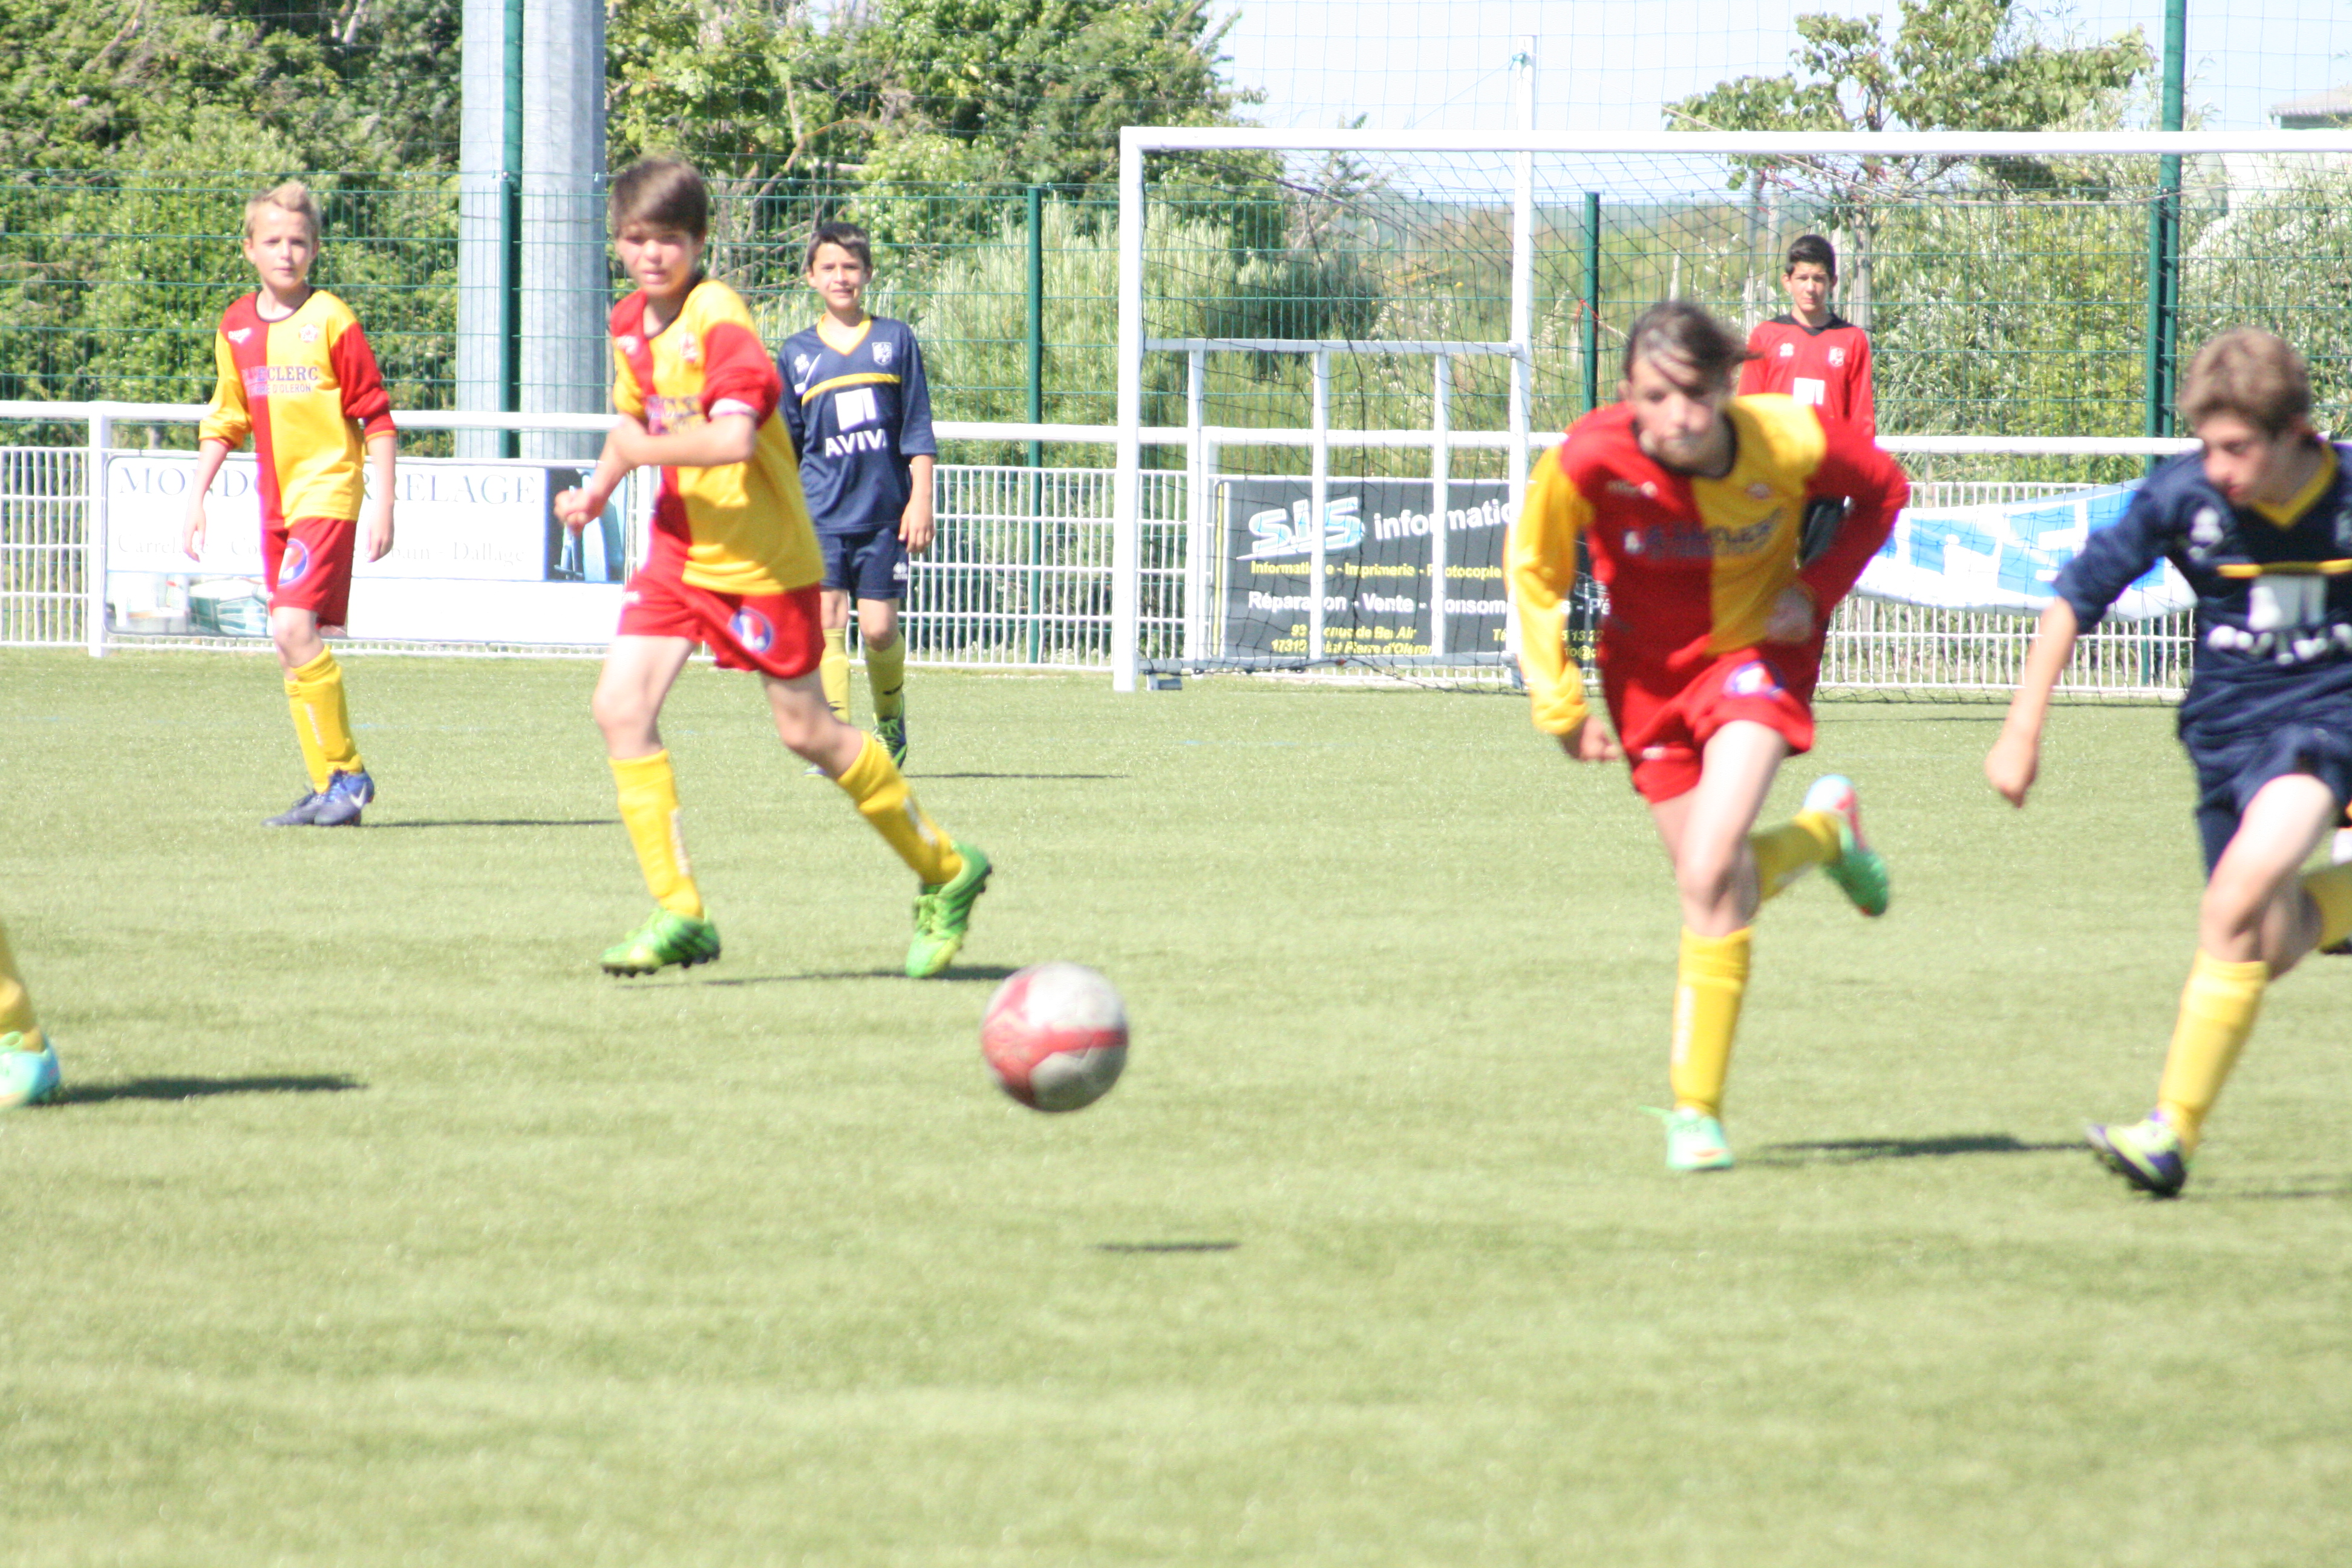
[(322, 721), (1787, 852), (2218, 1007), (873, 781), (649, 810), (16, 1002), (2332, 890), (1710, 981), (886, 672), (833, 671)]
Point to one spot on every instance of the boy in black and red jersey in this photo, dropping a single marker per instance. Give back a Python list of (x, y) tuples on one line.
[(734, 565), (1812, 353), (1692, 502)]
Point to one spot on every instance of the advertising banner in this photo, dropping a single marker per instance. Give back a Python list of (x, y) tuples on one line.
[(477, 555), (2006, 557), (1376, 555)]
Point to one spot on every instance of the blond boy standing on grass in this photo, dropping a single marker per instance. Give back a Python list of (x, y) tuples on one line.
[(296, 374)]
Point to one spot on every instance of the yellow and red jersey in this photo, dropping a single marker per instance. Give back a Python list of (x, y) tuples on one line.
[(1693, 566), (737, 527), (307, 390)]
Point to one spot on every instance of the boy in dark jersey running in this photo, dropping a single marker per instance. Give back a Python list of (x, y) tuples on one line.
[(1692, 501), (860, 416), (1812, 353), (2259, 525)]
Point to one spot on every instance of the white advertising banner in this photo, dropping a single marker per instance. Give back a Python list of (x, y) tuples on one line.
[(2008, 557), (476, 556)]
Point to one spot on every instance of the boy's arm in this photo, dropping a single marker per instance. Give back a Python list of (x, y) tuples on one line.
[(1859, 406), (382, 449), (919, 446), (2016, 757), (211, 453), (1539, 568), (730, 438), (1876, 489), (917, 526)]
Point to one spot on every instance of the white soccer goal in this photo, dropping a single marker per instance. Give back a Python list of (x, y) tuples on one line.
[(2031, 296)]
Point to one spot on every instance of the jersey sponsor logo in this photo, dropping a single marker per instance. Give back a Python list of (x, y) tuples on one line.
[(295, 564), (856, 405), (882, 355), (856, 441), (1810, 389), (663, 414), (1760, 490), (239, 334), (752, 629), (1754, 678), (279, 380)]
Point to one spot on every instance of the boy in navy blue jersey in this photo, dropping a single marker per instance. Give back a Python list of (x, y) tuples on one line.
[(2260, 524), (860, 416)]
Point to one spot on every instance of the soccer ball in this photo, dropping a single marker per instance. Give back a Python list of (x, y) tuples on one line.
[(1054, 1035)]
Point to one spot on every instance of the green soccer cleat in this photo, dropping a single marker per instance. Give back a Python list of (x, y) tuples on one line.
[(2146, 1153), (1859, 870), (27, 1078), (1695, 1141), (943, 915), (664, 939), (892, 734)]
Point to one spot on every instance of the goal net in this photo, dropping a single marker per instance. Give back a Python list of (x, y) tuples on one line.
[(1353, 343)]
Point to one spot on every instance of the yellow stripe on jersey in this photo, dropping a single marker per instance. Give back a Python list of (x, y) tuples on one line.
[(861, 378), (1755, 512)]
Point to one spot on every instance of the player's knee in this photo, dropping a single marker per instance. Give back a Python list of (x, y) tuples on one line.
[(619, 710), (1705, 877)]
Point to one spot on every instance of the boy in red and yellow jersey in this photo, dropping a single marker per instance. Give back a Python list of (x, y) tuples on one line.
[(295, 374), (1812, 353), (735, 565), (1693, 503)]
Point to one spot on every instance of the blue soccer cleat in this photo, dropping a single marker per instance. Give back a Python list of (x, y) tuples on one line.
[(2146, 1153), (347, 795), (301, 814), (27, 1078)]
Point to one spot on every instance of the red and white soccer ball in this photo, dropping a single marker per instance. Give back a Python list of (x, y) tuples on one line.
[(1055, 1036)]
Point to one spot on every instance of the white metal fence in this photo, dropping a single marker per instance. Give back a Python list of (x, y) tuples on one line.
[(1021, 575)]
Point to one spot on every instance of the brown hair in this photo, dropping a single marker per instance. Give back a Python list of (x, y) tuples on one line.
[(1812, 248), (292, 196), (1676, 329), (2252, 374), (666, 193), (847, 236)]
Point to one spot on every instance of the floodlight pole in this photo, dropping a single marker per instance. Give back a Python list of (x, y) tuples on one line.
[(1127, 481)]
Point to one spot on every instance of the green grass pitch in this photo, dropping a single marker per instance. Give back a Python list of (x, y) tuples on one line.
[(379, 1227)]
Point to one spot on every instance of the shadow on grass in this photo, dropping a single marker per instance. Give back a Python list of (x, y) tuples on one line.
[(1854, 1151), (965, 974), (1167, 1247), (1029, 776), (203, 1088), (2310, 1188), (509, 822)]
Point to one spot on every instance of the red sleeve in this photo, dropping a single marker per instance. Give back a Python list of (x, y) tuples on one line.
[(1876, 489), (365, 398), (1860, 409), (1751, 369), (737, 369)]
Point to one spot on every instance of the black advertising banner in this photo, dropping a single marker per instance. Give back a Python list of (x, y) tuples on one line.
[(1376, 558)]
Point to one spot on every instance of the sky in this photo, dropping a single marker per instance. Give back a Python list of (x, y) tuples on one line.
[(1605, 64)]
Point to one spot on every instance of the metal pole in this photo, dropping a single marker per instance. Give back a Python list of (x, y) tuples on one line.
[(1196, 503), (1591, 322), (511, 178), (93, 528), (1523, 253), (1035, 346), (2164, 238), (1441, 467), (1318, 500), (1127, 538), (566, 296)]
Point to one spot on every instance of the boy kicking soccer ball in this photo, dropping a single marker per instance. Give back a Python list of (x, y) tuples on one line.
[(296, 374), (2259, 523), (1691, 501), (734, 565), (860, 416)]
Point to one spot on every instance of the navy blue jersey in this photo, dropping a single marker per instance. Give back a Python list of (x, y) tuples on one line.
[(856, 418), (2274, 629)]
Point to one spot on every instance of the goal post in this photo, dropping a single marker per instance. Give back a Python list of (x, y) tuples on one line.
[(2035, 194)]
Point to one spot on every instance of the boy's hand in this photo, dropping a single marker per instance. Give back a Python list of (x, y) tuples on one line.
[(2012, 763), (191, 530), (916, 527), (1589, 743), (377, 528), (578, 509), (1791, 617)]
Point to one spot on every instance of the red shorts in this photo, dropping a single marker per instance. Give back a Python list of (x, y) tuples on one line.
[(1664, 720), (308, 566), (781, 635)]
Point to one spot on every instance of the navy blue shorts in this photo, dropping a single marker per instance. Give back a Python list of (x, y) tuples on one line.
[(868, 566), (2229, 776)]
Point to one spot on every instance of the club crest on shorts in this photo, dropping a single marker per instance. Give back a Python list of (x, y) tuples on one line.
[(295, 564), (752, 629), (1754, 678)]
